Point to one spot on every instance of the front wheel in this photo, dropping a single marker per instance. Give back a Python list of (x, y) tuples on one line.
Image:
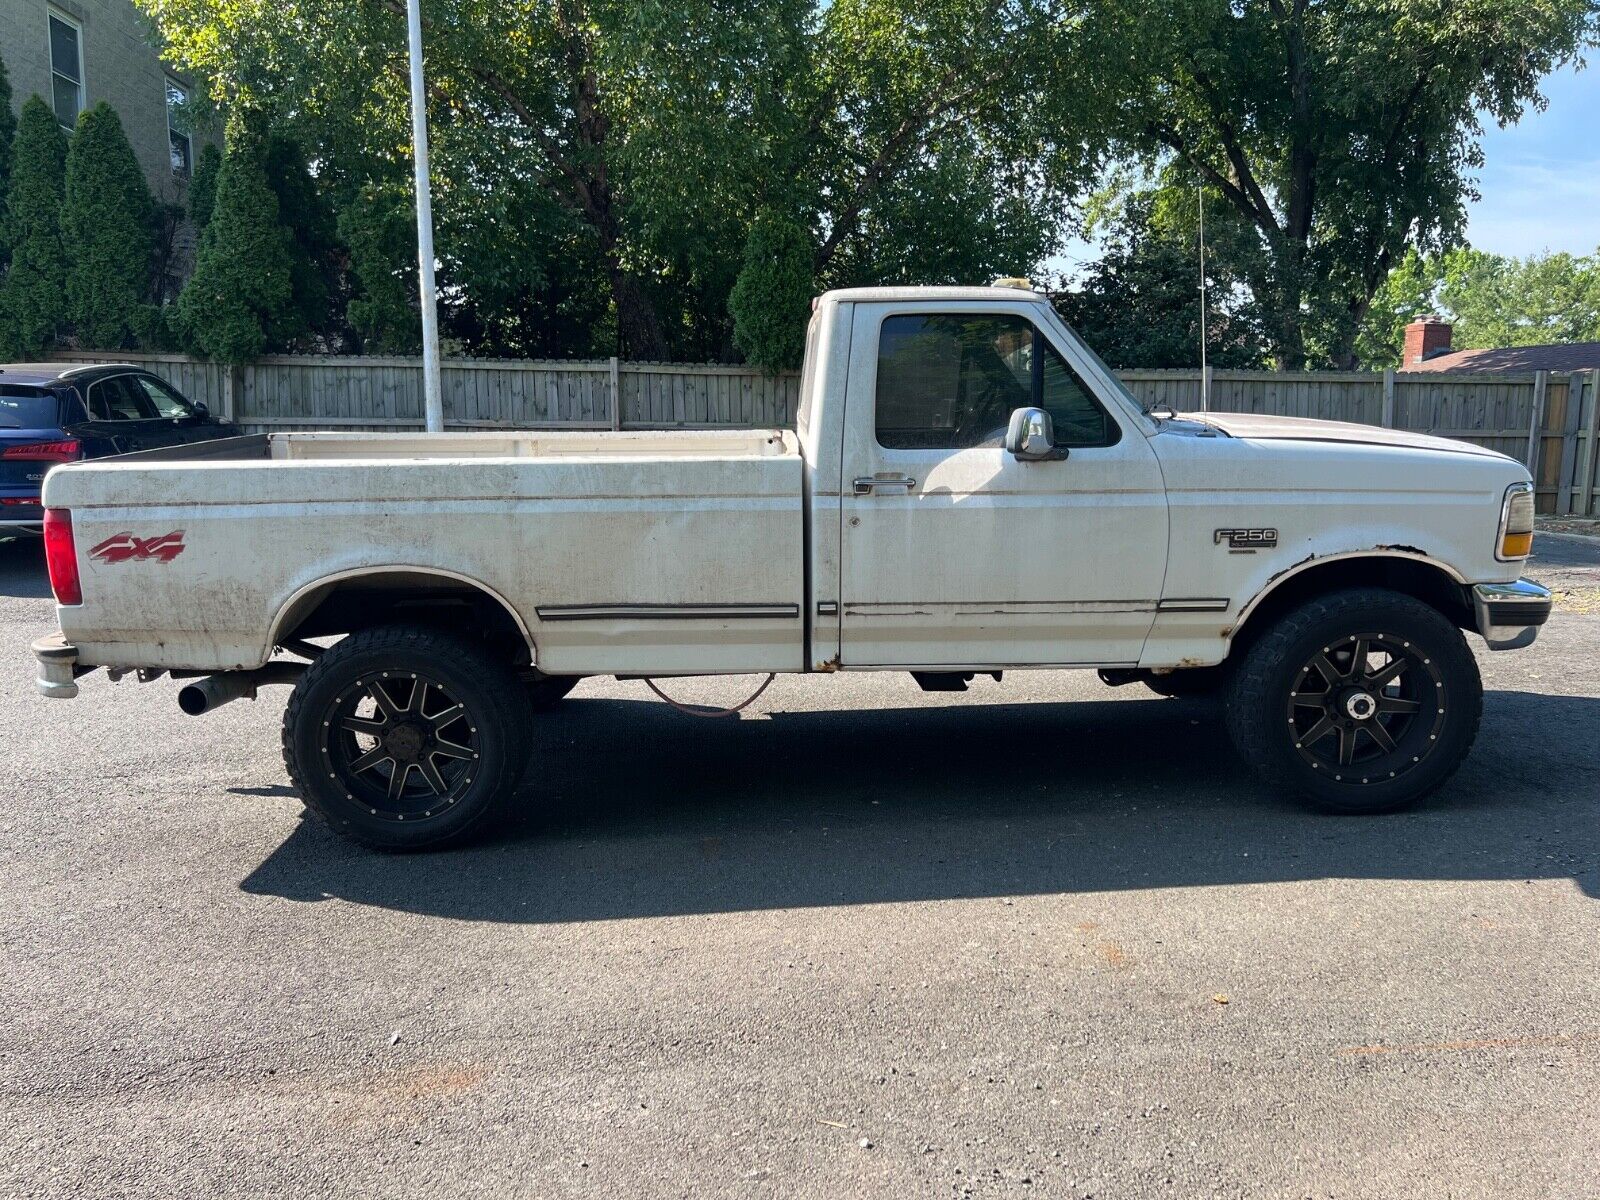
[(1365, 700), (406, 738)]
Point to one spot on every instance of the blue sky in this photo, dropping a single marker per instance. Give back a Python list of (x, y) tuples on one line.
[(1541, 178)]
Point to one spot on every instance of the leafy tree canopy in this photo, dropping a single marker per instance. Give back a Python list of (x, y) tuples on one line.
[(618, 151), (1491, 299), (1342, 131), (1139, 304)]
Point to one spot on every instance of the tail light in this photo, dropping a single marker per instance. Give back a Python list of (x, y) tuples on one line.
[(66, 450), (1516, 523), (61, 556)]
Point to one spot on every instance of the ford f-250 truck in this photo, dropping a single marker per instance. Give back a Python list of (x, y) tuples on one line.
[(968, 489)]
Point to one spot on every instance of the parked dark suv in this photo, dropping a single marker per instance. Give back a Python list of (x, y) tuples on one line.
[(60, 412)]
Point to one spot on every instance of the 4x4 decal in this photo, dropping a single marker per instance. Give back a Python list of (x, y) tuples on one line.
[(123, 547)]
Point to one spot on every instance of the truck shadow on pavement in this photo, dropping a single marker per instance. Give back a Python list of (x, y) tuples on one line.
[(22, 572), (629, 813)]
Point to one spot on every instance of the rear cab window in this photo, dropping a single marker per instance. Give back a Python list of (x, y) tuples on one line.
[(950, 381)]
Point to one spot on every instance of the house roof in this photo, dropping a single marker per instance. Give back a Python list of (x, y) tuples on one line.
[(1566, 356)]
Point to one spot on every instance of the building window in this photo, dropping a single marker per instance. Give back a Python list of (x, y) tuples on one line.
[(66, 69), (177, 130)]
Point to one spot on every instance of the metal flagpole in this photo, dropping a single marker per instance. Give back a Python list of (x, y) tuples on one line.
[(432, 401)]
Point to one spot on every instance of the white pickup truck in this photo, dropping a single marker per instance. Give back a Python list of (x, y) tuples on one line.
[(969, 489)]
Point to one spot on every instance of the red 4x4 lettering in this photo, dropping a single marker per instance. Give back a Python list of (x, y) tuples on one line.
[(121, 547)]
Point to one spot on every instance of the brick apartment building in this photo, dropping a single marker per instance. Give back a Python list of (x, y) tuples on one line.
[(76, 53)]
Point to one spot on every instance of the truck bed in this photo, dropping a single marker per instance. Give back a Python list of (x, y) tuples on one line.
[(613, 552)]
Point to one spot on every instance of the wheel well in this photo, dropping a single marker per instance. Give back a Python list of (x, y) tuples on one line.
[(407, 597), (1411, 577)]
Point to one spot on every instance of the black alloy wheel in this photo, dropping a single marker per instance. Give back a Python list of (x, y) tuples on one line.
[(1364, 700), (1367, 708), (401, 743), (406, 737)]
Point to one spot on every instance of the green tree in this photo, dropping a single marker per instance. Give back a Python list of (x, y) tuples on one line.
[(1343, 131), (579, 143), (240, 299), (32, 294), (771, 302), (8, 131), (304, 211), (376, 226), (1409, 291), (1499, 301), (203, 187), (106, 218), (1138, 305), (1492, 300)]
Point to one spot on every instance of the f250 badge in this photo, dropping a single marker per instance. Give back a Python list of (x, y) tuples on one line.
[(124, 547), (1246, 539)]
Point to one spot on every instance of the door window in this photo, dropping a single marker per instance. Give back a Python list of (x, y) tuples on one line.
[(950, 381), (119, 399), (167, 402)]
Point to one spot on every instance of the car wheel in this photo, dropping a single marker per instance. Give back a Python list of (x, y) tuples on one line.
[(549, 690), (1364, 701), (406, 738)]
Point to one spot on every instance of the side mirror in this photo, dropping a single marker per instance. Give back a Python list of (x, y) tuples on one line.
[(200, 410), (1031, 437)]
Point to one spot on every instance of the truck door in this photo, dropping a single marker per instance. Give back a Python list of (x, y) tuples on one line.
[(953, 552)]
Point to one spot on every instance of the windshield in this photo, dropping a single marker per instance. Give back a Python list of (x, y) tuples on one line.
[(27, 408)]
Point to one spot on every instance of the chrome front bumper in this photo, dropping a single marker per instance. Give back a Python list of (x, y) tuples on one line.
[(58, 667), (1508, 615)]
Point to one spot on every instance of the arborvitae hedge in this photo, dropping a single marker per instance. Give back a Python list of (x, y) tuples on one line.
[(33, 306), (771, 301), (305, 213), (241, 294), (8, 130), (106, 222), (203, 187)]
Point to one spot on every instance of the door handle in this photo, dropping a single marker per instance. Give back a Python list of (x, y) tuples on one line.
[(864, 485)]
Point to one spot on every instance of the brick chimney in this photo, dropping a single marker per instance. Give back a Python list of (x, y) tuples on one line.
[(1426, 337)]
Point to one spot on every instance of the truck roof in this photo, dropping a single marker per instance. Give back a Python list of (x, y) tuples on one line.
[(896, 294)]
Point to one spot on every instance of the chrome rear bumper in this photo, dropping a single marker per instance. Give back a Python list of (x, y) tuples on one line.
[(1508, 615)]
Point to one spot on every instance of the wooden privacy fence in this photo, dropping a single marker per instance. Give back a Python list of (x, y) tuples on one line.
[(369, 393), (1545, 420)]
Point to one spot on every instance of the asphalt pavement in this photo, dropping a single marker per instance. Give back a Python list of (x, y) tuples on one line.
[(1044, 938)]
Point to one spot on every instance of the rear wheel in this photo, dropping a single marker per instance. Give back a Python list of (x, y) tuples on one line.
[(406, 738), (1365, 701)]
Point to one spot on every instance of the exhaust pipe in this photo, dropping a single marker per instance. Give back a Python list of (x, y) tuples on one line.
[(213, 691)]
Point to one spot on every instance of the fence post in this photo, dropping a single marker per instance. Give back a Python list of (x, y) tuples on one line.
[(616, 395), (1567, 476), (1541, 381), (1388, 398), (232, 385), (1591, 427)]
